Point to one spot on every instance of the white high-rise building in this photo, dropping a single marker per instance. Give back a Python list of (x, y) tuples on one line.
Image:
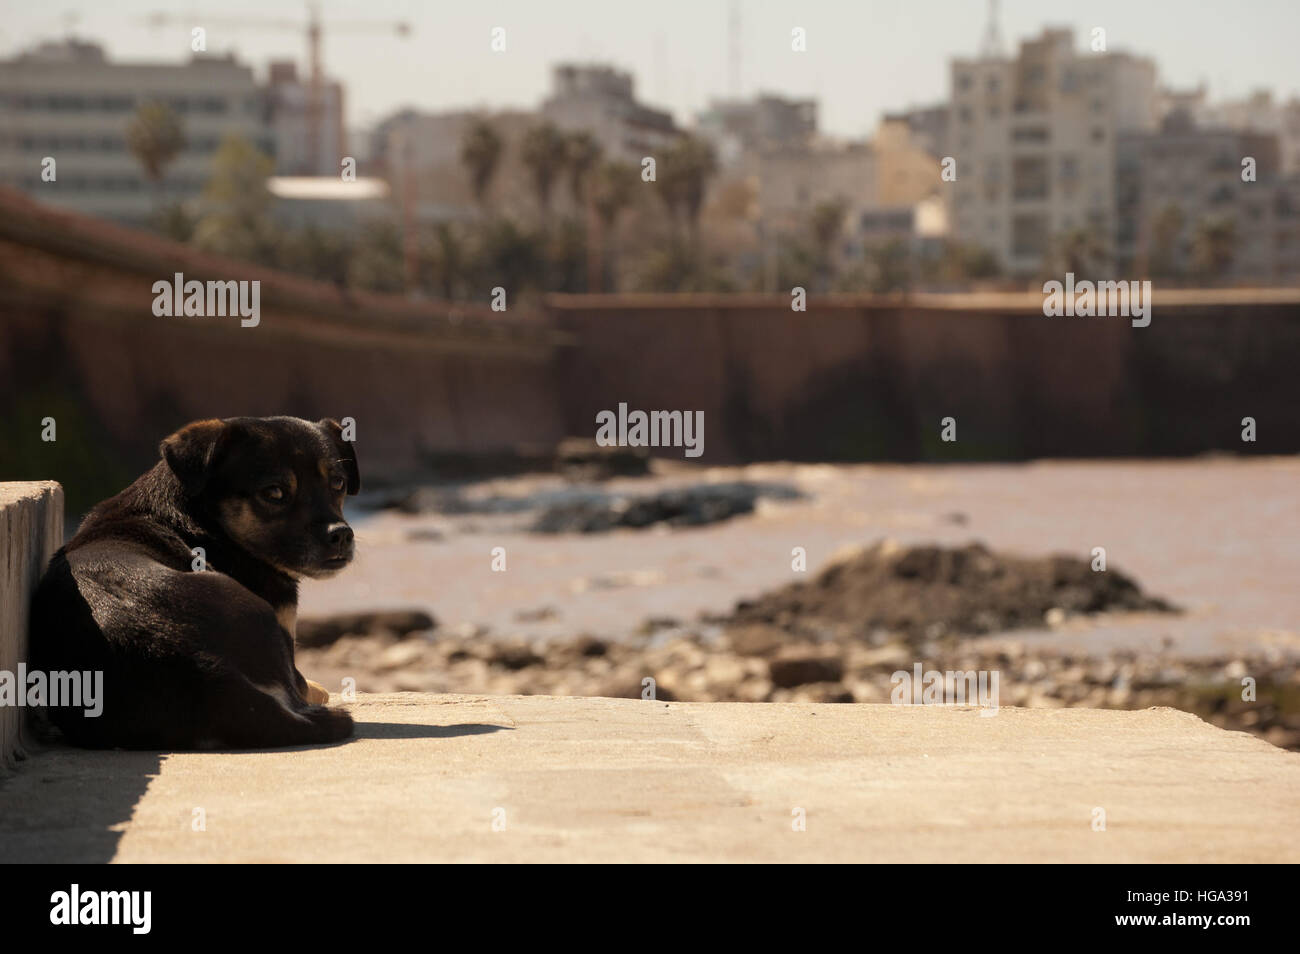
[(1034, 139)]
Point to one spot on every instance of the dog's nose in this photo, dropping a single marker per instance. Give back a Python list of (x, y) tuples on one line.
[(340, 535)]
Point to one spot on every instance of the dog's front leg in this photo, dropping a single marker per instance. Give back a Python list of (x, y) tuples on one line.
[(313, 692)]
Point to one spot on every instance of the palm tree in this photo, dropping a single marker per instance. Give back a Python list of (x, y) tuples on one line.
[(155, 137), (613, 185), (236, 218), (505, 255), (446, 260), (826, 223), (544, 153), (686, 168), (1079, 251), (582, 152), (890, 266), (1213, 246), (1165, 232), (480, 153)]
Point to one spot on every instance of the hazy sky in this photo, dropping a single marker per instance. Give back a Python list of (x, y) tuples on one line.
[(864, 56)]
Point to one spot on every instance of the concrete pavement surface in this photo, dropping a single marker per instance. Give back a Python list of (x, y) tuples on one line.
[(546, 779)]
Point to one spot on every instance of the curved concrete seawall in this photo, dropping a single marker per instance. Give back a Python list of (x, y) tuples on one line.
[(80, 343), (869, 378), (31, 529)]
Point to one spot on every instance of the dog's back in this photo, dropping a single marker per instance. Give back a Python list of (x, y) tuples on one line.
[(191, 658)]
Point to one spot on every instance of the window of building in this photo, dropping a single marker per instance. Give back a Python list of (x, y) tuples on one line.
[(1028, 235), (1029, 178), (1031, 134), (1220, 196)]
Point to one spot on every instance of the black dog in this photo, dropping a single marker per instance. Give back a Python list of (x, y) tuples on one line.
[(183, 590)]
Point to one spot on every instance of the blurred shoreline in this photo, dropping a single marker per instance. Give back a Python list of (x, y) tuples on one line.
[(599, 613), (1204, 533)]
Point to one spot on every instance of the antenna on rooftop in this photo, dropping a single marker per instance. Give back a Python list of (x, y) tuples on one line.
[(991, 48), (733, 50)]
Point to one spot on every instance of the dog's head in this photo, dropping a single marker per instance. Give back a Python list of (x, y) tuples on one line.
[(273, 485)]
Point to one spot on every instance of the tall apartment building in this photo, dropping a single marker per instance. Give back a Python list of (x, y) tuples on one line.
[(1034, 139), (67, 101), (601, 100)]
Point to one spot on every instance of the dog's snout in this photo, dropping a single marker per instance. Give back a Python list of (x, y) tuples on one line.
[(339, 534)]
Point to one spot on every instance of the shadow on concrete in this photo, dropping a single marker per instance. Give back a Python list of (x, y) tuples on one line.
[(405, 730), (70, 806), (65, 805)]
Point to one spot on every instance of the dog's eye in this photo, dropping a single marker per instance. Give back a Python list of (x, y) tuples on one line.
[(337, 483), (274, 492)]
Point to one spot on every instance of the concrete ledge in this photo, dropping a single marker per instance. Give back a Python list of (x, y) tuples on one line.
[(31, 530), (587, 779)]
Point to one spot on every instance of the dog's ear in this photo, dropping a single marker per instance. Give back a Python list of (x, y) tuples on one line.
[(347, 453), (191, 452)]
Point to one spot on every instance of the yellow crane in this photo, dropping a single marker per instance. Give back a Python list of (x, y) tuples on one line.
[(313, 27)]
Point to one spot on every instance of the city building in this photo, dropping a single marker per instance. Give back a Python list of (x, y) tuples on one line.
[(907, 167), (601, 100), (793, 182), (1177, 182), (927, 127), (305, 145), (1260, 113), (419, 154), (1034, 143), (68, 102), (739, 128)]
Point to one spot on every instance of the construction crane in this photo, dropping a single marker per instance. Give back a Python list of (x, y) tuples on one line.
[(313, 28)]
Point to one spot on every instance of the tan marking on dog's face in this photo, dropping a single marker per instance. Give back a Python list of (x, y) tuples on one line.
[(245, 527), (239, 521)]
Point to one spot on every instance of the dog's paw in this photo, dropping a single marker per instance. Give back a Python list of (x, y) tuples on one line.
[(317, 694), (332, 725)]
